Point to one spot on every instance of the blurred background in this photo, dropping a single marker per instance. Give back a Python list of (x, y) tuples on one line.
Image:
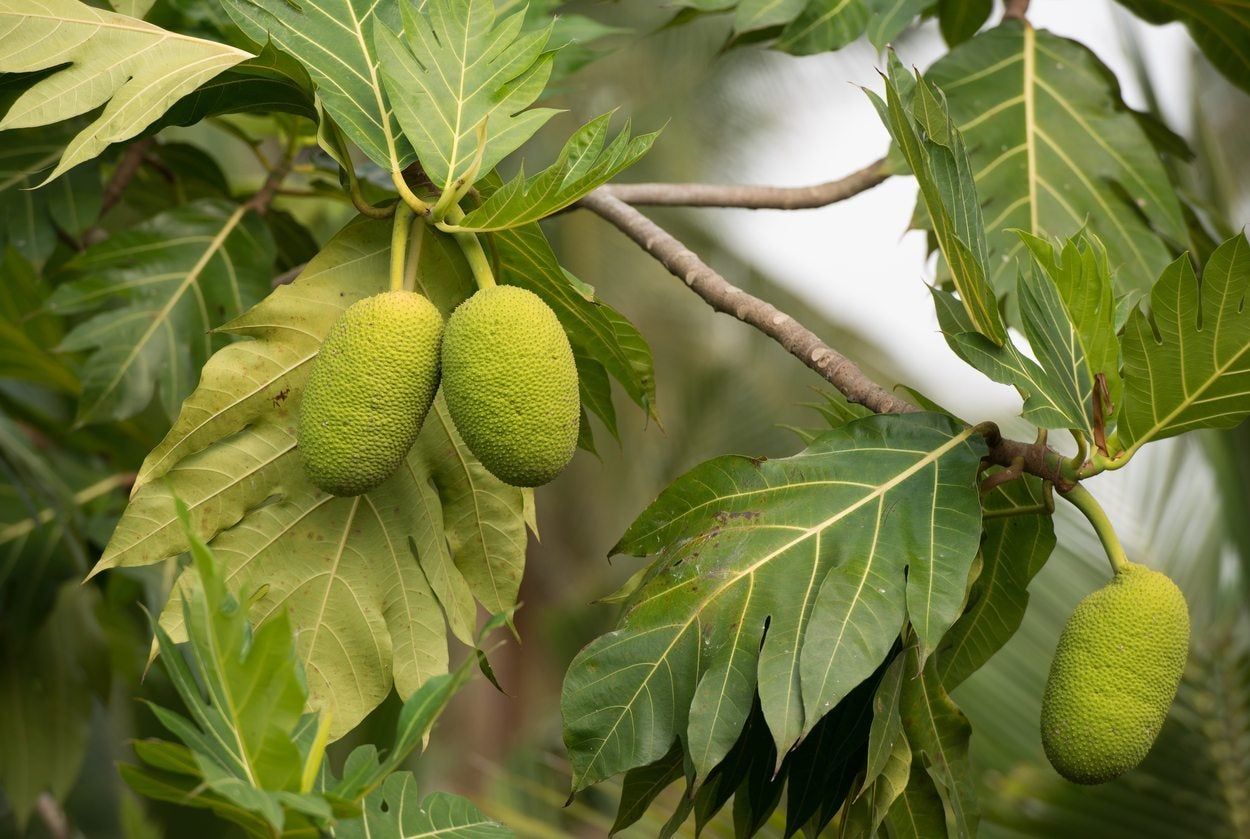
[(855, 275)]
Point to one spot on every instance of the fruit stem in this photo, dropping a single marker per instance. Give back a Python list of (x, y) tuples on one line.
[(473, 251), (399, 244), (1080, 498)]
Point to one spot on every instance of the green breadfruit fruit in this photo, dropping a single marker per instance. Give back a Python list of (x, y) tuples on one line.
[(1114, 675), (511, 384), (369, 390)]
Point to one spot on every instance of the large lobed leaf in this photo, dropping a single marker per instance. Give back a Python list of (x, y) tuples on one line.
[(456, 67), (333, 40), (135, 70), (367, 609), (1054, 149), (156, 292), (815, 547), (1187, 360)]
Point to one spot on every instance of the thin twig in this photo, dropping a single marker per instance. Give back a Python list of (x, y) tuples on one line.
[(269, 189), (1015, 9), (53, 817), (125, 172), (796, 338), (752, 197)]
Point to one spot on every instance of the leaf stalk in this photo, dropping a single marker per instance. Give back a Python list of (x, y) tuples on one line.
[(1080, 498)]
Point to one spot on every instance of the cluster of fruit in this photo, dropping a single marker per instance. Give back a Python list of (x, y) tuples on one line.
[(506, 370)]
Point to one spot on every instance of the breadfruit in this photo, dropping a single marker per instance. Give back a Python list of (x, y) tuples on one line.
[(511, 384), (369, 390), (1114, 675)]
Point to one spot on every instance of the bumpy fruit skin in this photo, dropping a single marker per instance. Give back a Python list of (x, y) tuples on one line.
[(511, 384), (369, 390), (1114, 675)]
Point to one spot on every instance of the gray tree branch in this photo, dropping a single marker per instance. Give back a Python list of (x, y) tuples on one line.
[(796, 338), (752, 197)]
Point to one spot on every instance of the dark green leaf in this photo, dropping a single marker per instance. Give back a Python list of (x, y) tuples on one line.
[(823, 26), (1019, 536), (959, 20), (1187, 362), (584, 163)]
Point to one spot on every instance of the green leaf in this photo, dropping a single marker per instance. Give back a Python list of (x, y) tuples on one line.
[(1058, 348), (272, 82), (48, 685), (342, 567), (917, 813), (363, 771), (959, 20), (934, 150), (201, 264), (1055, 150), (890, 18), (332, 38), (397, 811), (887, 724), (822, 770), (823, 26), (456, 67), (938, 733), (1187, 361), (791, 542), (1082, 276), (134, 69), (31, 217), (1046, 403), (1019, 537), (243, 687), (1221, 28), (25, 336), (643, 784), (583, 164), (751, 15)]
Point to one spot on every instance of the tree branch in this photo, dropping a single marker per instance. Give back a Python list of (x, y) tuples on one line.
[(796, 338), (125, 172), (269, 189), (752, 197), (1015, 9)]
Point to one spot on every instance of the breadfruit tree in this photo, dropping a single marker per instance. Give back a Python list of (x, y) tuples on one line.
[(299, 414)]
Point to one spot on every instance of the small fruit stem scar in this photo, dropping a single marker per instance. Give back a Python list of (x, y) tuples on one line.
[(399, 244), (474, 254), (1081, 499)]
